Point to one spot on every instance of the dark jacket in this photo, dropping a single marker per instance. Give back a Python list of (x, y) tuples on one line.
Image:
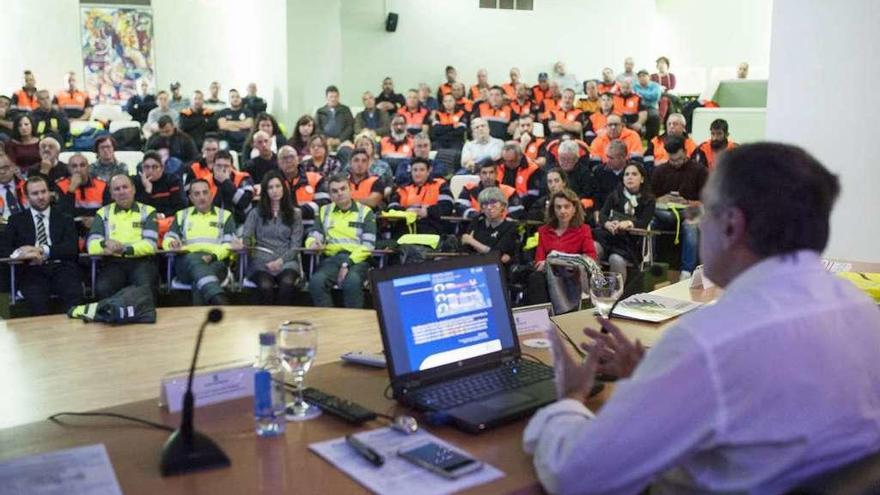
[(179, 145), (20, 231), (167, 196), (338, 124)]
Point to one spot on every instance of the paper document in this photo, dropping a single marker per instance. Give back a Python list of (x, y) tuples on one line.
[(397, 475), (77, 471), (836, 266), (653, 308)]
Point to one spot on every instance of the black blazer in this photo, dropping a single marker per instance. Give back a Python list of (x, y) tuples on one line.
[(20, 231)]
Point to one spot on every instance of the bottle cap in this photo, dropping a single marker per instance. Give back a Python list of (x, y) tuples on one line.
[(267, 338)]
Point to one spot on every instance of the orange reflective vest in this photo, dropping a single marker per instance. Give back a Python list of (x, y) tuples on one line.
[(444, 90), (362, 190), (509, 91), (659, 149), (523, 174), (533, 148), (25, 101), (451, 119), (304, 191), (539, 94), (626, 105), (612, 87), (706, 149), (465, 104), (414, 119), (428, 194), (71, 101), (473, 189), (88, 196), (388, 148), (566, 116), (521, 109), (475, 92), (548, 107), (499, 115), (553, 148), (630, 138)]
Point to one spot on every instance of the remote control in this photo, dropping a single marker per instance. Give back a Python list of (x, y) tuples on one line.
[(374, 359), (337, 406)]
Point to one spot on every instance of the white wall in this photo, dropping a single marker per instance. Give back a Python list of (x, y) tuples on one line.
[(817, 46)]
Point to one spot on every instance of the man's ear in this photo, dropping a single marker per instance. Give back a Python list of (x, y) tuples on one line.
[(734, 226)]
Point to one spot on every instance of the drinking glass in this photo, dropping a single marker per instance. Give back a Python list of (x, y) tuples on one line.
[(298, 343), (605, 290)]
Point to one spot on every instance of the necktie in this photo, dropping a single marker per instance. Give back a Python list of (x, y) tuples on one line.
[(42, 240), (11, 200)]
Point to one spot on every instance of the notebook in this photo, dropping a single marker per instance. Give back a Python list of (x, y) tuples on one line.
[(451, 344)]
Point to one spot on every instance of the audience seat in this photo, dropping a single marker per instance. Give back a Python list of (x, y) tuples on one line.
[(538, 130), (457, 183), (115, 125), (130, 158), (109, 113)]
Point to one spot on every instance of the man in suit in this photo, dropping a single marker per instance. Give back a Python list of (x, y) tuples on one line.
[(45, 238)]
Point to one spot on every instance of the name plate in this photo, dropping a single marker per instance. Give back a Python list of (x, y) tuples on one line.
[(211, 384)]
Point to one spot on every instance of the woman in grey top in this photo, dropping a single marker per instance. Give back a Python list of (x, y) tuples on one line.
[(274, 229)]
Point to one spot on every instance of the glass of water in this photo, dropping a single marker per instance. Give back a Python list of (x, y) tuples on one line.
[(298, 343), (605, 290)]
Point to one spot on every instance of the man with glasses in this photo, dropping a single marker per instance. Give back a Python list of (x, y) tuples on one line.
[(616, 130), (106, 165), (158, 188), (307, 188)]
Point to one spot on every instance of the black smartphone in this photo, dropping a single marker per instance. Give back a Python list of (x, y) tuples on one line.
[(439, 459)]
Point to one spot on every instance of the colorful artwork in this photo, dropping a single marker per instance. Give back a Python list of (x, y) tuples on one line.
[(117, 45)]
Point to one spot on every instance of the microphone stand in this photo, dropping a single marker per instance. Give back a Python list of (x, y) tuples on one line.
[(187, 450)]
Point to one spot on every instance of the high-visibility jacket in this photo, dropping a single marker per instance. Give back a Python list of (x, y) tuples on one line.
[(362, 190), (656, 153), (134, 228), (509, 90), (539, 94), (465, 104), (521, 109), (352, 230), (475, 92), (706, 155), (596, 123), (431, 193), (534, 148), (553, 148), (414, 119), (73, 103), (24, 101), (567, 116), (613, 87), (457, 119), (389, 148), (522, 179), (497, 118), (306, 190), (468, 205), (547, 108), (630, 138), (88, 197), (627, 105), (210, 232)]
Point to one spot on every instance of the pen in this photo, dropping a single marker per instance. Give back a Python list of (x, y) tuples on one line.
[(365, 450)]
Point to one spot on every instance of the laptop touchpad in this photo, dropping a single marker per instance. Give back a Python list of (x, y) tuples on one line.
[(507, 401)]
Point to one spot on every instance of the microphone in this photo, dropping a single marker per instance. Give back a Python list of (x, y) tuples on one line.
[(187, 450)]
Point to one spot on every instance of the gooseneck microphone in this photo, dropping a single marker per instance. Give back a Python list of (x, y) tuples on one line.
[(186, 449)]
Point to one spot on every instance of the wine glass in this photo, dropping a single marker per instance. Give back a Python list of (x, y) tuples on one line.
[(605, 289), (298, 343)]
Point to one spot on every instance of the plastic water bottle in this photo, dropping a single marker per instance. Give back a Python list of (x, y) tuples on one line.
[(269, 406)]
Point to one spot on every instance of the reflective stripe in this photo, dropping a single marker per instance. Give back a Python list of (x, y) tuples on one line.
[(93, 237), (152, 234), (445, 197), (238, 194), (206, 280)]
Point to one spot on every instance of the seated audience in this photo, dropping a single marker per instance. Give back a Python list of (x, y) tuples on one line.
[(482, 148), (655, 154), (197, 120), (449, 125), (275, 229), (533, 147), (650, 93), (73, 102), (516, 171), (417, 116), (566, 119), (540, 90), (79, 194), (25, 99), (203, 233), (509, 88), (388, 100), (376, 166), (629, 105), (628, 71), (590, 104), (522, 103), (608, 84), (231, 190), (574, 159), (630, 206), (157, 188), (608, 177), (203, 166), (124, 232), (234, 122), (45, 239), (163, 109), (266, 123), (372, 117), (666, 80), (253, 102), (345, 233), (421, 150), (366, 188), (467, 205), (397, 147), (680, 181), (482, 83), (265, 160), (302, 133), (492, 230), (565, 231), (334, 120), (496, 113), (767, 221), (12, 194), (425, 98), (49, 121), (24, 147), (550, 101), (306, 188), (556, 181), (461, 100), (429, 197), (179, 145), (106, 165), (596, 121), (178, 102), (49, 166), (718, 142), (451, 79), (320, 159), (140, 103), (616, 130), (213, 101), (565, 80)]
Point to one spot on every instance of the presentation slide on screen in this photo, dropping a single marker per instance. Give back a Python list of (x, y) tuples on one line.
[(448, 316)]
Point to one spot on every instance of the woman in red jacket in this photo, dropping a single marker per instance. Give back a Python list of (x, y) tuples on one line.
[(565, 231)]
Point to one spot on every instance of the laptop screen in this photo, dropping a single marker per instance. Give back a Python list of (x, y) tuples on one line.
[(443, 315)]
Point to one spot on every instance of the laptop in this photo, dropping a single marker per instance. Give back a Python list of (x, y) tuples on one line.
[(451, 344)]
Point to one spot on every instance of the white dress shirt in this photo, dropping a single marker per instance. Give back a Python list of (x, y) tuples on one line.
[(776, 382), (490, 150)]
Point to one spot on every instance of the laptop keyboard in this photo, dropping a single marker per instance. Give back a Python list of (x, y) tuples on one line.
[(466, 389)]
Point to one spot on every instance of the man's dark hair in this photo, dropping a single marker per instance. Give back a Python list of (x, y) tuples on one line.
[(673, 144), (331, 89), (165, 120), (211, 136), (337, 178), (359, 151), (643, 71), (199, 181), (449, 68), (153, 155), (719, 125), (785, 194), (33, 179), (499, 88), (101, 140), (419, 160), (665, 59), (487, 164), (223, 155), (233, 90)]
